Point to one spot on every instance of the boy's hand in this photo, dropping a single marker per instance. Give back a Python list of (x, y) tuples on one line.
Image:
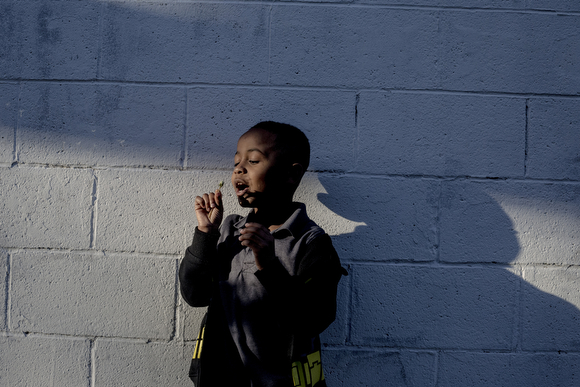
[(260, 240), (209, 211)]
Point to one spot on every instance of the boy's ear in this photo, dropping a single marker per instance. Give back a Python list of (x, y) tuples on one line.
[(295, 173)]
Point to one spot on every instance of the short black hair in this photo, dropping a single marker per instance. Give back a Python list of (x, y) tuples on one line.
[(290, 140)]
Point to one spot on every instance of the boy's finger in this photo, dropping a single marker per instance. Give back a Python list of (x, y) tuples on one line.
[(247, 240), (252, 231), (218, 198), (212, 202), (250, 237), (253, 244), (254, 240), (199, 202), (207, 202), (247, 229)]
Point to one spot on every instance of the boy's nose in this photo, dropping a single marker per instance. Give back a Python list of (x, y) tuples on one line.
[(239, 169)]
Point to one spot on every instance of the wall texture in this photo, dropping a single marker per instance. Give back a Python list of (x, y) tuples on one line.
[(446, 166)]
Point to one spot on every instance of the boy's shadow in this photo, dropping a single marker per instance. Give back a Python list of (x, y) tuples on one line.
[(474, 232)]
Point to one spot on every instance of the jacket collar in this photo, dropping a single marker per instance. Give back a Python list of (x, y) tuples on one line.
[(292, 225)]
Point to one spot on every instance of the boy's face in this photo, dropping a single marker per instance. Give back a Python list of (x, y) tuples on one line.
[(258, 176)]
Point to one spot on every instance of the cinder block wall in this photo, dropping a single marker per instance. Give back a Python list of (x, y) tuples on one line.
[(446, 166)]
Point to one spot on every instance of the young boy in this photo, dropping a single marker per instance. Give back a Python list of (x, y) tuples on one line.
[(269, 278)]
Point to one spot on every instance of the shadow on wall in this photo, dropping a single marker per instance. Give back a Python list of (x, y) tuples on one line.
[(103, 123), (473, 306)]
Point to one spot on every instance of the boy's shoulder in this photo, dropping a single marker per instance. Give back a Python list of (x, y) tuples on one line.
[(309, 230), (299, 225)]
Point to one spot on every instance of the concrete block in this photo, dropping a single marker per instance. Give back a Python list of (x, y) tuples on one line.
[(326, 210), (185, 42), (152, 210), (44, 361), (396, 219), (554, 139), (130, 363), (92, 294), (49, 39), (356, 367), (541, 5), (440, 134), (189, 320), (91, 124), (508, 369), (217, 118), (355, 47), (546, 219), (547, 5), (492, 4), (45, 207), (8, 119), (434, 307), (473, 225), (510, 222), (504, 51), (550, 309)]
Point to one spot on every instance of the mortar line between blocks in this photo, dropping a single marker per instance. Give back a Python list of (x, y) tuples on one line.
[(526, 128), (438, 224), (184, 151), (8, 288), (93, 365), (176, 321), (410, 7), (350, 306), (436, 366), (298, 87), (17, 125), (94, 212), (356, 146), (269, 44), (519, 312)]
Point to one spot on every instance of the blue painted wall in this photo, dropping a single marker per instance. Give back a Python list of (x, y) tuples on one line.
[(445, 165)]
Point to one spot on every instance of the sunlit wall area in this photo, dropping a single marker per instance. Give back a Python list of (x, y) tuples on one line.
[(445, 166)]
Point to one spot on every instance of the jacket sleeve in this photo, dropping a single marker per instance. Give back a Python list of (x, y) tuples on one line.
[(196, 269), (306, 303)]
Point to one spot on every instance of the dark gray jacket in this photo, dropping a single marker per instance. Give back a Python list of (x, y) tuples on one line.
[(260, 322)]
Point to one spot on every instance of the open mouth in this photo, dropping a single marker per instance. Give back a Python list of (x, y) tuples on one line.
[(241, 188)]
